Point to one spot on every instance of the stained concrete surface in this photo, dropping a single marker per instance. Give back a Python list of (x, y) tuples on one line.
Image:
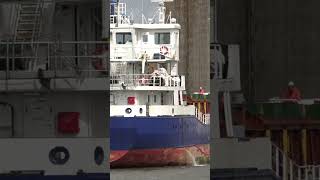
[(163, 173)]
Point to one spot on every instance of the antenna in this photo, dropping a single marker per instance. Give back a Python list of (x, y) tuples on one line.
[(118, 13), (162, 9)]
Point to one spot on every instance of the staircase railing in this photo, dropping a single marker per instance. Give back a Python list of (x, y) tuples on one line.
[(203, 118), (286, 169)]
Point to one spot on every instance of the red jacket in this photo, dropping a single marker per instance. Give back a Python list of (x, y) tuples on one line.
[(292, 94)]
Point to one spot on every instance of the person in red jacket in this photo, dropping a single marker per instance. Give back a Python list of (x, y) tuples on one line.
[(292, 92)]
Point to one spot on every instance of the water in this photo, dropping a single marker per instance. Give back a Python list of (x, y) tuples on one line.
[(163, 173)]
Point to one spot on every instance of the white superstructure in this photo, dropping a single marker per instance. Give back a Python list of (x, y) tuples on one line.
[(53, 88), (144, 65)]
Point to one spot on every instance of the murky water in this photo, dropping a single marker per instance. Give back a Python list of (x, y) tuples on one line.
[(163, 173)]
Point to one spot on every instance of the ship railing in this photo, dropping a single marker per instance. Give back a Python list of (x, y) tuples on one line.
[(146, 80), (202, 117), (150, 52), (286, 169), (85, 58)]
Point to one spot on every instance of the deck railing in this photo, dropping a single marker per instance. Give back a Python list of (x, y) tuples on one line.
[(203, 118), (82, 57), (145, 80), (130, 52), (286, 169)]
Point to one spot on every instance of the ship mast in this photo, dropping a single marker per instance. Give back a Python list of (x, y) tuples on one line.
[(162, 10), (118, 13)]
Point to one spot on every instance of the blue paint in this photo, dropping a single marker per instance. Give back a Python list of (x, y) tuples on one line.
[(157, 132), (57, 177)]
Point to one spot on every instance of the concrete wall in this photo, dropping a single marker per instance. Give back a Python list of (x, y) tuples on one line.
[(279, 42), (233, 154), (194, 41)]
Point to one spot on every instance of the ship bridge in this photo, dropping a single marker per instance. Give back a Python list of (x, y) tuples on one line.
[(144, 56)]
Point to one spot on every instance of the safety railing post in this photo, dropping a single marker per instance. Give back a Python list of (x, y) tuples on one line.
[(277, 162), (291, 169), (313, 172), (284, 166)]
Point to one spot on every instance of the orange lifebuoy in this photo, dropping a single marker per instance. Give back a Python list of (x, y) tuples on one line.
[(164, 50), (143, 81)]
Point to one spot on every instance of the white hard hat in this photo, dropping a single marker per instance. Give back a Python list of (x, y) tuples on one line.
[(291, 83)]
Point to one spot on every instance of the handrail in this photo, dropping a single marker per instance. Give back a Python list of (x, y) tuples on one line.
[(286, 169), (145, 80), (203, 118), (137, 52), (54, 56)]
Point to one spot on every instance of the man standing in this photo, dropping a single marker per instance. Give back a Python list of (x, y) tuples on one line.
[(292, 92)]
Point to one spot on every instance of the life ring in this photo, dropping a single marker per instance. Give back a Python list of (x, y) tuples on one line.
[(143, 81), (97, 63), (164, 50), (59, 155)]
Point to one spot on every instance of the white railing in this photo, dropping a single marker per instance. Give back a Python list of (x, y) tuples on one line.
[(128, 51), (286, 169), (73, 56), (145, 80), (203, 118)]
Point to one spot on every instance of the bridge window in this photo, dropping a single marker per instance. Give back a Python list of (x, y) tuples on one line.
[(162, 38), (123, 38), (145, 38)]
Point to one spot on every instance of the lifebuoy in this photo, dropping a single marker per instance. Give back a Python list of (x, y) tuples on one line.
[(164, 50), (97, 63), (143, 81)]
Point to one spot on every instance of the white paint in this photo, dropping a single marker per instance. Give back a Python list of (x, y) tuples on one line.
[(166, 110), (33, 154), (120, 110)]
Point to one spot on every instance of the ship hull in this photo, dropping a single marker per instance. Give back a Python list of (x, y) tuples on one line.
[(158, 141)]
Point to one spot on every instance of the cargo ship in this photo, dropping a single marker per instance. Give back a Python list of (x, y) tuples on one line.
[(53, 110), (151, 124)]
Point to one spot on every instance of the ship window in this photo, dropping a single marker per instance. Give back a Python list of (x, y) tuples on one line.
[(123, 38), (145, 38), (162, 38), (155, 98), (148, 99)]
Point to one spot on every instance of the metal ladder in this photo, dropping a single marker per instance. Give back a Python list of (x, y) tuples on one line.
[(28, 24), (28, 20)]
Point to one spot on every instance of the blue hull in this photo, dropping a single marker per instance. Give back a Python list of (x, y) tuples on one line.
[(62, 177), (127, 133)]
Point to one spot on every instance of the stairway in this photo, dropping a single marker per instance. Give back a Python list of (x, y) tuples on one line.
[(28, 21)]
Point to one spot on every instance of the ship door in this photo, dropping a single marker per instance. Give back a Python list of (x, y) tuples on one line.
[(38, 117)]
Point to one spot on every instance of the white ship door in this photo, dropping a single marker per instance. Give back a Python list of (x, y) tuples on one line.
[(38, 118)]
